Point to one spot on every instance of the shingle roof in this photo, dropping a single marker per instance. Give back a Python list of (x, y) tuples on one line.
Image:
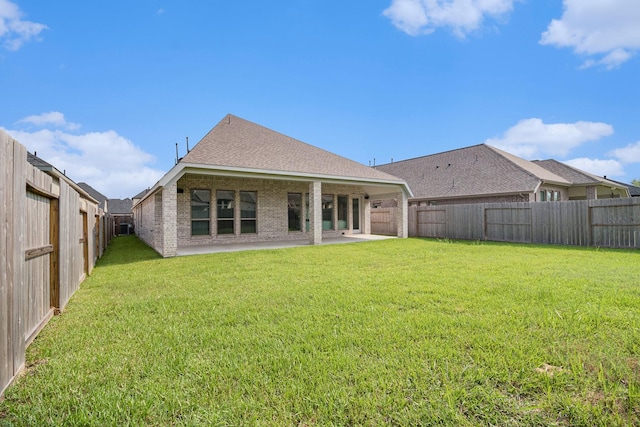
[(141, 194), (472, 171), (574, 175), (238, 143), (37, 161), (93, 192), (119, 206)]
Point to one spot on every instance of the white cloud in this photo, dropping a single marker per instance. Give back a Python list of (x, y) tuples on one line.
[(14, 31), (628, 154), (609, 168), (107, 161), (607, 30), (462, 16), (54, 118), (532, 138)]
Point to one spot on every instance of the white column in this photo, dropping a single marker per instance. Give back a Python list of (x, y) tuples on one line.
[(315, 213), (366, 226)]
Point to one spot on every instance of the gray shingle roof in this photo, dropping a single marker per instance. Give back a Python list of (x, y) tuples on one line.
[(93, 192), (238, 143), (119, 206), (574, 175), (37, 161), (472, 171)]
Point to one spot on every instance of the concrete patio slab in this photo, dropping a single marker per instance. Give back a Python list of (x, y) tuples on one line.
[(275, 244)]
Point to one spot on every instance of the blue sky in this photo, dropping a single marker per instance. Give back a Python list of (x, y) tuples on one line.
[(104, 90)]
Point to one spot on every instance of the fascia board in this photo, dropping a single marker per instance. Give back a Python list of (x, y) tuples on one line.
[(179, 170), (195, 168)]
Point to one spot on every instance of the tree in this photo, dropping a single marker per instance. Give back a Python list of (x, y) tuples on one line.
[(636, 182)]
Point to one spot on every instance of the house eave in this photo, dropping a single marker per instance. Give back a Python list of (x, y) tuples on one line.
[(179, 170), (467, 196)]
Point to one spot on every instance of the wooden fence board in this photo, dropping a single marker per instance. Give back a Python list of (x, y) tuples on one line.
[(16, 251), (33, 217), (609, 222), (6, 281), (384, 221)]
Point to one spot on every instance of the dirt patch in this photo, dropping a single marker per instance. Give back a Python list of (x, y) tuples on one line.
[(549, 370)]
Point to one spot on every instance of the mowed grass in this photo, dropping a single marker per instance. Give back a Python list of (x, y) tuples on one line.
[(395, 332)]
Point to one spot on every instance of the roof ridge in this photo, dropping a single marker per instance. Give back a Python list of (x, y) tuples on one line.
[(428, 155), (506, 155)]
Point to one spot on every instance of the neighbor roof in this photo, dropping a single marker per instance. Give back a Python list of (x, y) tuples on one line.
[(479, 170), (48, 168), (119, 206), (575, 175), (238, 143), (93, 192)]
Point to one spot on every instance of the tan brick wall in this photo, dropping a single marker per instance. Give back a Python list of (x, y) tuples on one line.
[(272, 208), (144, 220)]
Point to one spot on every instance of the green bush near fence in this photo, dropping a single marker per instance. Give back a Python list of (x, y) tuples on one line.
[(395, 332)]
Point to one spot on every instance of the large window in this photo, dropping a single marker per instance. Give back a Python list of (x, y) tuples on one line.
[(200, 212), (295, 211), (343, 212), (327, 212), (225, 203), (248, 205)]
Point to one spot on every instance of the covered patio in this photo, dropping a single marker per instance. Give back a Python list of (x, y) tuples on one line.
[(277, 244)]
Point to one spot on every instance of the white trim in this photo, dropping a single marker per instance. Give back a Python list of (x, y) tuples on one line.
[(179, 170)]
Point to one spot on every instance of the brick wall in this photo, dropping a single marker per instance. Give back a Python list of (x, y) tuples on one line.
[(272, 208)]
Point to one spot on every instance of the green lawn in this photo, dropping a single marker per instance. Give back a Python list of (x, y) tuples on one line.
[(394, 332)]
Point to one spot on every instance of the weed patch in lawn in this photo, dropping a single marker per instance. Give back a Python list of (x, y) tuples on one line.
[(401, 332)]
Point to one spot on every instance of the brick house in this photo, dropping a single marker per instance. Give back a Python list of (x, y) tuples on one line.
[(485, 174), (244, 183)]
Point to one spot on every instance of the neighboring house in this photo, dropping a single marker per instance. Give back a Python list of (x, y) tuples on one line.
[(121, 215), (633, 190), (118, 211), (485, 174), (583, 185), (245, 183)]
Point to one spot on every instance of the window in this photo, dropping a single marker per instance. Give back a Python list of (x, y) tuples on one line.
[(225, 203), (248, 203), (306, 210), (295, 211), (343, 212), (200, 215), (327, 212), (549, 196)]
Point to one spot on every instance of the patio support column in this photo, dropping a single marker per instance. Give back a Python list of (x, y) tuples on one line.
[(315, 213), (170, 221), (403, 216), (367, 216)]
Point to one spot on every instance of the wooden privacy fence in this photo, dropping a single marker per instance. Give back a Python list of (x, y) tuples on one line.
[(613, 223), (384, 220), (50, 238)]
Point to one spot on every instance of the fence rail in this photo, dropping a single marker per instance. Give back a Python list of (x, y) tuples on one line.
[(613, 223), (50, 238)]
